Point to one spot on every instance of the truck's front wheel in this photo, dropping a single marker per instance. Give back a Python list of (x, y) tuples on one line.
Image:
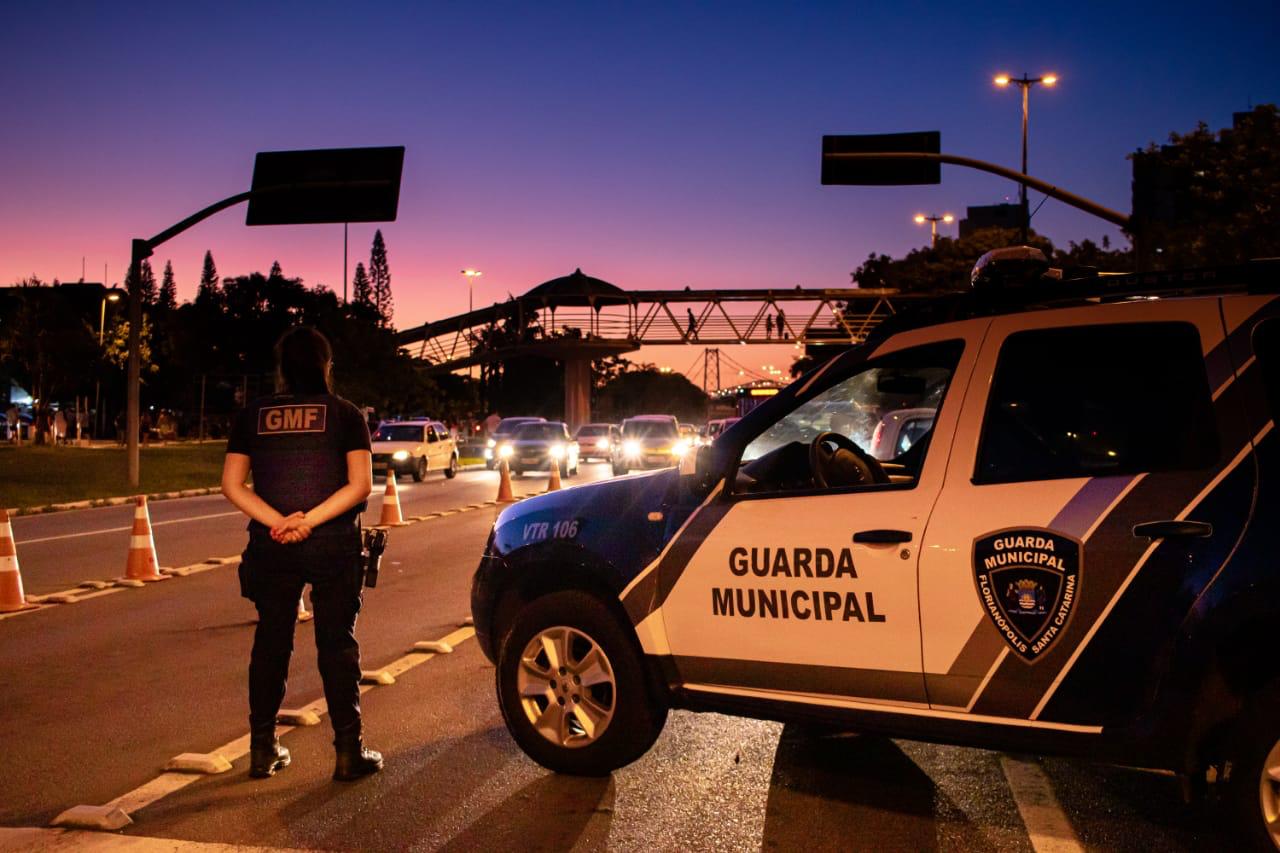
[(572, 687)]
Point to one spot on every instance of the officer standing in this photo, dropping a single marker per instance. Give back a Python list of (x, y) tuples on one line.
[(308, 451)]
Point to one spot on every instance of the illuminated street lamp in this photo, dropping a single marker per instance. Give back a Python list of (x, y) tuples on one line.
[(110, 294), (471, 275), (933, 220), (1025, 83)]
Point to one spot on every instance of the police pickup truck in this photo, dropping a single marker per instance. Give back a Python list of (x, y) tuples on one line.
[(1075, 558)]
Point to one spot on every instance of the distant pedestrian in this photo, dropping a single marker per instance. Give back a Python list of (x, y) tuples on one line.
[(309, 453), (693, 323), (782, 325), (12, 420), (768, 326), (121, 422), (73, 422), (59, 427)]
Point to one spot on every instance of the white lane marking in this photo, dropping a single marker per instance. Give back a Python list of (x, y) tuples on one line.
[(122, 529), (1137, 567), (167, 783), (1047, 825)]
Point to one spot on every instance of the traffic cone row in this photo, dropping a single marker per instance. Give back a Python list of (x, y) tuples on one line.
[(553, 482), (505, 495), (12, 598), (142, 564), (391, 516)]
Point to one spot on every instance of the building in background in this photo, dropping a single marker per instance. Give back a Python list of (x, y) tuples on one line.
[(990, 216)]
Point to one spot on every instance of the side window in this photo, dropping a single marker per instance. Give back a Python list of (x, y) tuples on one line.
[(431, 433), (839, 428), (1266, 346), (1090, 401)]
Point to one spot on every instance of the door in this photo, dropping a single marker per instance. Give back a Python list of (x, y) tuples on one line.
[(434, 445), (1094, 487), (803, 582)]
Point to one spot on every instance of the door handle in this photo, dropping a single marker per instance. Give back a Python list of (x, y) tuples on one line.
[(881, 537), (1172, 529)]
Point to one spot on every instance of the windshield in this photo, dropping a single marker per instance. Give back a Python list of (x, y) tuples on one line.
[(649, 429), (592, 430), (540, 432), (398, 432), (863, 406), (510, 425)]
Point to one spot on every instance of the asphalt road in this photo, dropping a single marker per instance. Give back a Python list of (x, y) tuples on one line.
[(99, 694)]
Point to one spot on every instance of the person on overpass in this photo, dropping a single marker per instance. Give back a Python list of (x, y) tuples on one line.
[(308, 451)]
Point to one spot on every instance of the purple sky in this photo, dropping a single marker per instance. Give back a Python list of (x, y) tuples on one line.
[(653, 145)]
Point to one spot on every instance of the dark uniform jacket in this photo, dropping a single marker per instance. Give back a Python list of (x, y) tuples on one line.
[(297, 446)]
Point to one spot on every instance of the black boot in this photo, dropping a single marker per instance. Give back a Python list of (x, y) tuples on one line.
[(266, 756), (354, 761)]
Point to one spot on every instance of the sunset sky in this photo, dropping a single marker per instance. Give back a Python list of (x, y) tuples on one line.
[(653, 145)]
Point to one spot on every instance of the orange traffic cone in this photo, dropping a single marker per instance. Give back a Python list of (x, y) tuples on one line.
[(391, 503), (304, 615), (142, 564), (505, 495), (553, 483), (12, 597)]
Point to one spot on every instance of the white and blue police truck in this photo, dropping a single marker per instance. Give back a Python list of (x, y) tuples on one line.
[(1075, 558)]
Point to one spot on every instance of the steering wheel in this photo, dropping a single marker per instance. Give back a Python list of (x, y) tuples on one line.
[(846, 465)]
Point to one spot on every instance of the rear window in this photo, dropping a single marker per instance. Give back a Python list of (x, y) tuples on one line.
[(398, 432), (649, 429), (1098, 400)]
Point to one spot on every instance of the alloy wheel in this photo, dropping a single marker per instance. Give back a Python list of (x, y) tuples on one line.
[(567, 687)]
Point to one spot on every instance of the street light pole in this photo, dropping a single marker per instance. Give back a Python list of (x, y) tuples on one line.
[(1025, 83), (471, 275), (933, 220)]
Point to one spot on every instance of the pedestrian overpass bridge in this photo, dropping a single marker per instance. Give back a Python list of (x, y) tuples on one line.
[(577, 318)]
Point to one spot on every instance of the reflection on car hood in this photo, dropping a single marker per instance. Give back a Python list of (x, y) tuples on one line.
[(393, 446)]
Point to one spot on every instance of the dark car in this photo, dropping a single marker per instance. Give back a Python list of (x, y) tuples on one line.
[(538, 446), (506, 428), (596, 441), (649, 441)]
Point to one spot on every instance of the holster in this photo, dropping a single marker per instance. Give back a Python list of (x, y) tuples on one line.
[(373, 542)]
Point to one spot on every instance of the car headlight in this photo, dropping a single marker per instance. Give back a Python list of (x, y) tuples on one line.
[(680, 448), (506, 450), (556, 451), (602, 444), (631, 447), (400, 455), (492, 443)]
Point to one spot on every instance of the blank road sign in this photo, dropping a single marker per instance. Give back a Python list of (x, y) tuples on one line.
[(326, 185), (881, 172)]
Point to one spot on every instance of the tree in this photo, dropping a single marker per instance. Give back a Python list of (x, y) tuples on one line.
[(276, 271), (208, 290), (361, 292), (380, 278), (146, 286), (1210, 198), (945, 266), (649, 391), (168, 300)]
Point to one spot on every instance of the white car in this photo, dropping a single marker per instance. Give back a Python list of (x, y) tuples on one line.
[(415, 447)]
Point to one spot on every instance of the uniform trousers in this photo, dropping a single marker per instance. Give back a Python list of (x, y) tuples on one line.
[(272, 576)]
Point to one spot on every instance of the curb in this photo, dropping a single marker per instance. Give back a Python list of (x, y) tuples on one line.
[(95, 503)]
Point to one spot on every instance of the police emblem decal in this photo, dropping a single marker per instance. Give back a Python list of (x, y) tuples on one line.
[(1028, 581)]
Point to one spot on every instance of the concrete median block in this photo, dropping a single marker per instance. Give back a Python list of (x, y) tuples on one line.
[(61, 598), (439, 647), (198, 762), (467, 621), (105, 818), (380, 676), (417, 518), (132, 583), (297, 717), (37, 599), (175, 571), (95, 584)]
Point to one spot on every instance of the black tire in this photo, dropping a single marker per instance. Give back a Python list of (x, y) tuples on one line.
[(638, 716), (619, 470), (573, 472), (420, 470), (517, 472), (452, 470), (1256, 734)]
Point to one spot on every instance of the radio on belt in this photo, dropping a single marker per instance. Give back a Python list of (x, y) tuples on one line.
[(373, 543)]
